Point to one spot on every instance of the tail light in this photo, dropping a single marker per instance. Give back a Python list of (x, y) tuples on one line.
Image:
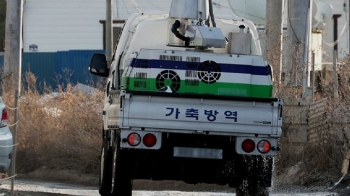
[(264, 146), (134, 139), (4, 118), (248, 145), (149, 140)]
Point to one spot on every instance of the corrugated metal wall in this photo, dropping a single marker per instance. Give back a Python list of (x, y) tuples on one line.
[(42, 65), (72, 66), (1, 61), (60, 68)]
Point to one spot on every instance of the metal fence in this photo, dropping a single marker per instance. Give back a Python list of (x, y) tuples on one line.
[(72, 66), (59, 68), (43, 65), (1, 61), (317, 121)]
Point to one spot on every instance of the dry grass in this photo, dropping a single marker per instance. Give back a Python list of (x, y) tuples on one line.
[(321, 161), (58, 132)]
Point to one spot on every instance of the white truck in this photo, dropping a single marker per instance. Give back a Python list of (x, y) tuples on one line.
[(188, 98)]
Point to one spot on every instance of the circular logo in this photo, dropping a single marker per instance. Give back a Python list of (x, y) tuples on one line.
[(209, 72), (168, 78)]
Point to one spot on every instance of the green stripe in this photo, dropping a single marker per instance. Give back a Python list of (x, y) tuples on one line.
[(218, 88)]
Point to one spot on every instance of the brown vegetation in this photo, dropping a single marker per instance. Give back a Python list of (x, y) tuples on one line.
[(59, 130), (316, 129)]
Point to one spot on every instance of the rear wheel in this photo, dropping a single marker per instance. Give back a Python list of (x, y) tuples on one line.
[(105, 175), (122, 173), (256, 174), (256, 191)]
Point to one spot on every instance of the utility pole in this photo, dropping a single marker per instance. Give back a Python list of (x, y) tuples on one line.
[(274, 36), (109, 30), (297, 31), (13, 46), (335, 55), (13, 67)]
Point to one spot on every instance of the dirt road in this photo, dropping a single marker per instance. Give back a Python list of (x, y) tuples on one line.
[(36, 188)]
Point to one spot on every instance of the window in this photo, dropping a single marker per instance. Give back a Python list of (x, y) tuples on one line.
[(117, 26)]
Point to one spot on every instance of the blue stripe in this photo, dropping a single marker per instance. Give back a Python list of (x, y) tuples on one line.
[(193, 66)]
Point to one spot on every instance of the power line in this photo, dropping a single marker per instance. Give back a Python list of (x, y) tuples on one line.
[(153, 4), (344, 30), (136, 6), (291, 25), (235, 10)]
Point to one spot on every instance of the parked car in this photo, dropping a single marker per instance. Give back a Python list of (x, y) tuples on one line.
[(6, 140)]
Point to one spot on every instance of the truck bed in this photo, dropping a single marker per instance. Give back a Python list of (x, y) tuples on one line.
[(193, 113)]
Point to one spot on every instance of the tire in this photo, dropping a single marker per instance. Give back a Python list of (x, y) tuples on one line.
[(256, 174), (122, 173), (252, 191), (105, 174)]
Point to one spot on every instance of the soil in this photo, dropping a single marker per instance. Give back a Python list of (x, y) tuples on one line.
[(44, 182)]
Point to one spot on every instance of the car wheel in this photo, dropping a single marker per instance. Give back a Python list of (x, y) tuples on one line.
[(122, 173), (105, 175)]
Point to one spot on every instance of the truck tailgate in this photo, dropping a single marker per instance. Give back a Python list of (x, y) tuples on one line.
[(202, 113)]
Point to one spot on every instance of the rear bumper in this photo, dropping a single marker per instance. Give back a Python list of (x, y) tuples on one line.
[(185, 147), (206, 146), (5, 163), (164, 164), (6, 148)]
